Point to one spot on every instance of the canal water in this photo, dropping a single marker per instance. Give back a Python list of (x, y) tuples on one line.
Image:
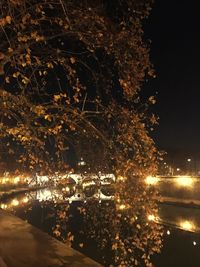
[(181, 241)]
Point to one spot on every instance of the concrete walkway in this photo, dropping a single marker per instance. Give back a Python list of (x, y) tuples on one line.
[(22, 245)]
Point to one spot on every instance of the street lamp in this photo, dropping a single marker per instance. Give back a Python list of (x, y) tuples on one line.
[(189, 165)]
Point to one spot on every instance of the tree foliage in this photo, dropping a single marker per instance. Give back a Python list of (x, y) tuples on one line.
[(71, 72)]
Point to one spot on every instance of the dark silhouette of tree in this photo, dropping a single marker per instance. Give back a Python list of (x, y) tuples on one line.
[(71, 73)]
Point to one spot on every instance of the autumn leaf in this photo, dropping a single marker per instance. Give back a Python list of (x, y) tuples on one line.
[(152, 100), (8, 19), (73, 60), (56, 98)]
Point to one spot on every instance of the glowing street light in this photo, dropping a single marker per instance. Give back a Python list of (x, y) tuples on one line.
[(184, 181), (16, 180), (122, 207), (3, 206), (168, 232), (25, 200), (151, 180), (152, 218), (121, 178), (15, 202), (187, 225)]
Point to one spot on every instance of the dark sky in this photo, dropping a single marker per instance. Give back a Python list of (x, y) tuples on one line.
[(174, 29)]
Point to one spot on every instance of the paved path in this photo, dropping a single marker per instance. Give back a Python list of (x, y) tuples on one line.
[(23, 245)]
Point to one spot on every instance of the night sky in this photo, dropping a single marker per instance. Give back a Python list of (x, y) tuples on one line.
[(175, 52)]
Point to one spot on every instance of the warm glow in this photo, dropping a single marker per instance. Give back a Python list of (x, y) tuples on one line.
[(187, 225), (11, 180), (118, 200), (168, 232), (25, 200), (16, 180), (151, 180), (15, 202), (122, 207), (185, 181), (152, 217), (44, 195), (4, 206), (121, 178), (66, 189), (42, 179), (4, 180), (88, 183)]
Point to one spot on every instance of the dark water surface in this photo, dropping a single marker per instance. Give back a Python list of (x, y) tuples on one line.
[(181, 244)]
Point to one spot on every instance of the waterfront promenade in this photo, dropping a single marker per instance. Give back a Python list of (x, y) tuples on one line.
[(23, 245)]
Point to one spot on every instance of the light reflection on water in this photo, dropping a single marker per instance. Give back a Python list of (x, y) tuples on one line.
[(182, 246), (52, 195), (184, 218), (170, 215)]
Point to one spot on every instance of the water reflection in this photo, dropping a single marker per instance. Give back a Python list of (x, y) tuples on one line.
[(187, 219), (107, 186), (52, 195), (90, 186), (188, 226), (180, 249), (174, 218), (184, 218), (46, 195), (68, 186)]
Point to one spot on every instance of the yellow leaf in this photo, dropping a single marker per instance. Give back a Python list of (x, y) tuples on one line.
[(8, 19), (25, 80), (50, 65), (152, 100), (47, 117), (7, 79), (56, 97), (10, 50), (73, 60), (16, 74)]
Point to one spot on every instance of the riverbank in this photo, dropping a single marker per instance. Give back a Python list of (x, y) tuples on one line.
[(187, 203), (22, 245)]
